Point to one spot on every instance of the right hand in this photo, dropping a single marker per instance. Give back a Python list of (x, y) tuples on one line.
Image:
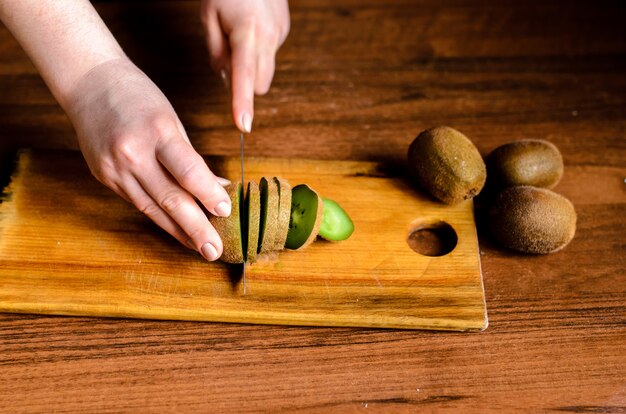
[(243, 37), (135, 144)]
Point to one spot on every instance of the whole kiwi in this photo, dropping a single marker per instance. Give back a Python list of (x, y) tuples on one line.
[(532, 220), (447, 164), (527, 162)]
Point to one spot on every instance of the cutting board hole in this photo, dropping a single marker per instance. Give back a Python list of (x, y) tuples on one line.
[(432, 238)]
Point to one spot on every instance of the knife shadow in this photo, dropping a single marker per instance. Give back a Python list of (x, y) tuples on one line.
[(235, 275)]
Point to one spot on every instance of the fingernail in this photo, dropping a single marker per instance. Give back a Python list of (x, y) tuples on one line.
[(223, 209), (246, 120), (224, 76), (222, 181), (209, 252)]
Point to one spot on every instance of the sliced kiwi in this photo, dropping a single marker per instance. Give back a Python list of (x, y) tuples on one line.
[(252, 210), (532, 220), (284, 212), (269, 215), (273, 216), (336, 224), (306, 216), (229, 228)]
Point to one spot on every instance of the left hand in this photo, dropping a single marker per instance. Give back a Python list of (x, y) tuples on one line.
[(243, 37)]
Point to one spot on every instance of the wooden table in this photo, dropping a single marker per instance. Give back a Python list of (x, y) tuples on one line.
[(358, 80)]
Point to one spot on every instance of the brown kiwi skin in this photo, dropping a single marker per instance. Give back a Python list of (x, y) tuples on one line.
[(532, 220), (318, 222), (446, 164), (531, 162), (267, 245), (284, 212), (229, 228), (253, 201)]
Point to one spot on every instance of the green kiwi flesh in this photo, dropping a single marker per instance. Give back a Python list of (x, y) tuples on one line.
[(253, 211), (269, 215), (284, 212), (446, 164), (336, 224), (526, 162), (306, 216), (532, 220), (229, 228)]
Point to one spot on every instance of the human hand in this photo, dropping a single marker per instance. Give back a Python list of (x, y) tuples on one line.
[(243, 37), (135, 144)]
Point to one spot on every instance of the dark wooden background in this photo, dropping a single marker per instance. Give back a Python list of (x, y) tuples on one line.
[(359, 80)]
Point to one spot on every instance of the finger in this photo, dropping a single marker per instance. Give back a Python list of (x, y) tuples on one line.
[(120, 192), (135, 193), (223, 181), (181, 129), (243, 63), (192, 173), (182, 209), (217, 43), (286, 26), (265, 72)]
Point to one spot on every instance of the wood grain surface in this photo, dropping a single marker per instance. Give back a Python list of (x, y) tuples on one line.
[(364, 78), (69, 246)]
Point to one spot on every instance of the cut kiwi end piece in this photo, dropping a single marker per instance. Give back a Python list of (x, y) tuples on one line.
[(336, 224), (230, 228), (306, 216)]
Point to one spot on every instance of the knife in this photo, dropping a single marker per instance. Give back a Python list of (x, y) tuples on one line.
[(226, 80), (241, 145)]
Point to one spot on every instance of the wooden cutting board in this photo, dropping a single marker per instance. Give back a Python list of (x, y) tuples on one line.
[(70, 246)]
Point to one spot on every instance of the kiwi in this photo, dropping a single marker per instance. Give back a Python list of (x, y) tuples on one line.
[(229, 228), (253, 211), (336, 224), (269, 215), (306, 216), (284, 212), (532, 220), (527, 162), (447, 164)]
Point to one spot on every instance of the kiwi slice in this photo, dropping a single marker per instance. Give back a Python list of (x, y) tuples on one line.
[(229, 228), (252, 210), (336, 224), (306, 216), (532, 220), (284, 212), (269, 215)]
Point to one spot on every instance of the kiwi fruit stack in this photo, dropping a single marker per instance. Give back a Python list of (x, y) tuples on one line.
[(525, 215), (274, 216)]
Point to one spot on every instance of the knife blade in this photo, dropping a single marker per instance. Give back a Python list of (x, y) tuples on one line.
[(241, 147), (226, 79)]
